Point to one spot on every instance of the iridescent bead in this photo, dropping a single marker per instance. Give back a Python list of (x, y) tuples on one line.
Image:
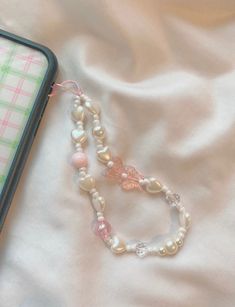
[(102, 229)]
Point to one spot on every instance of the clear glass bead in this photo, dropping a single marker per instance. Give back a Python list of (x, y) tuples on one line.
[(141, 249)]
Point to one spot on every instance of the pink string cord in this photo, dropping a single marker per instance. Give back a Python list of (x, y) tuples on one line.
[(67, 85)]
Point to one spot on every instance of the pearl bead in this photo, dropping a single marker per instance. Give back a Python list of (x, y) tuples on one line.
[(153, 186), (79, 159), (171, 247), (179, 241), (104, 154), (99, 132), (110, 164), (165, 189), (184, 219), (87, 183), (78, 136), (96, 116), (82, 174), (162, 251), (96, 122)]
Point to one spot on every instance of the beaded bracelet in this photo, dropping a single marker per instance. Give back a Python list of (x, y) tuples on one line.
[(127, 176)]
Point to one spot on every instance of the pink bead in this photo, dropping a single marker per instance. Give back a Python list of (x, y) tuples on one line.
[(102, 229), (79, 159)]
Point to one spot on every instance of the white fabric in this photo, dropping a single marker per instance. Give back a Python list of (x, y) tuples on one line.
[(164, 74)]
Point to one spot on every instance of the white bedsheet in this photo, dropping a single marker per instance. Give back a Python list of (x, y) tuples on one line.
[(164, 73)]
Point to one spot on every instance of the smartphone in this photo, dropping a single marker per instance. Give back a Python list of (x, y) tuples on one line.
[(27, 74)]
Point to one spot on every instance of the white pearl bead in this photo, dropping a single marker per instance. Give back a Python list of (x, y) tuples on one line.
[(165, 189), (98, 132), (171, 247), (81, 173), (110, 164), (96, 116), (96, 122), (162, 251), (100, 218), (93, 191)]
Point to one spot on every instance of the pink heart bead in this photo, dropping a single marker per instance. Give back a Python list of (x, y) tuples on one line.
[(102, 229), (79, 159)]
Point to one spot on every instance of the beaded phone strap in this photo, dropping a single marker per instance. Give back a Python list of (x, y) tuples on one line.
[(127, 176)]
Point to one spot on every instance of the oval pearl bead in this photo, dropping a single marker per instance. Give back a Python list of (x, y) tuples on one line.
[(98, 203), (78, 136), (79, 159), (92, 107), (99, 132), (104, 154), (153, 186), (78, 114), (171, 247), (184, 219), (87, 183), (187, 220), (118, 246)]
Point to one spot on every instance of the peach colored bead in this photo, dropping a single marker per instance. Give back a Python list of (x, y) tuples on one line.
[(79, 159)]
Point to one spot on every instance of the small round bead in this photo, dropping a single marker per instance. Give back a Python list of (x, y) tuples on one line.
[(96, 116), (165, 189), (92, 191), (110, 164), (179, 241), (162, 251), (79, 160), (98, 213), (124, 175), (96, 122)]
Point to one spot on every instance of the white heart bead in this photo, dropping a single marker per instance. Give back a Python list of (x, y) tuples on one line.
[(78, 114), (153, 186), (104, 154), (118, 246), (78, 136), (87, 183)]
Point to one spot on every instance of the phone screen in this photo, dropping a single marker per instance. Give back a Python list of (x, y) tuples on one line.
[(22, 70)]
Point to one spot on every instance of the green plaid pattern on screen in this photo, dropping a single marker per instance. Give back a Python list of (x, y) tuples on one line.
[(22, 70)]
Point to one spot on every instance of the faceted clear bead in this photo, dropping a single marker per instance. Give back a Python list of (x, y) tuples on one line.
[(141, 249), (173, 198)]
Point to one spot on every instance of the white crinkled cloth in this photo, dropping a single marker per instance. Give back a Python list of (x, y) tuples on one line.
[(164, 73)]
